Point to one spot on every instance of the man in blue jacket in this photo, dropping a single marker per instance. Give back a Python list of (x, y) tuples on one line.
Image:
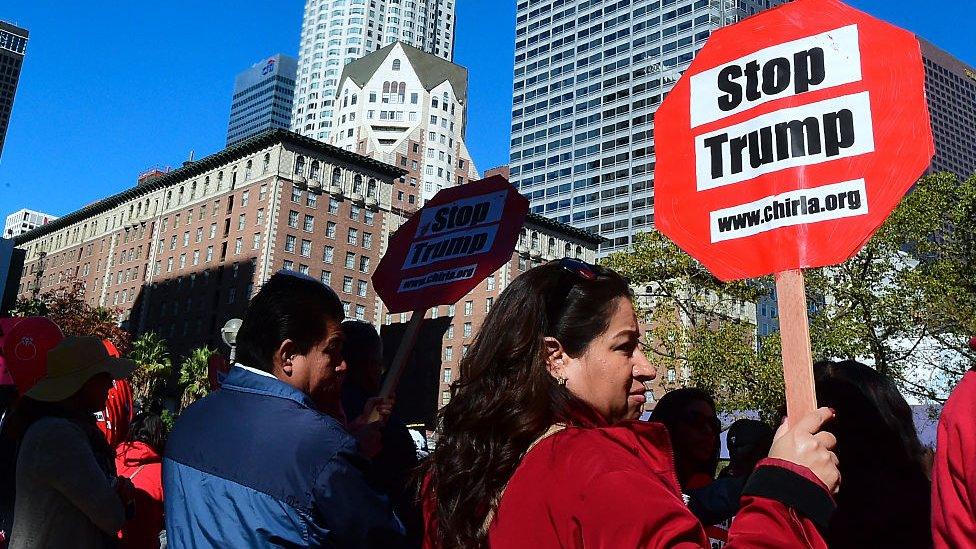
[(258, 463)]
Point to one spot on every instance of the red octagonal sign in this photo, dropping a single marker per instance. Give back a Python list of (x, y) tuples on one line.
[(462, 235), (790, 139)]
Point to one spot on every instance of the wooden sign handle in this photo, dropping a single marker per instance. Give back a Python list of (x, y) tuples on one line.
[(794, 327), (392, 378)]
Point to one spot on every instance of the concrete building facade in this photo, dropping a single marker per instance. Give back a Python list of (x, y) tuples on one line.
[(13, 47), (262, 98), (337, 32), (588, 78), (408, 108), (24, 220), (950, 88)]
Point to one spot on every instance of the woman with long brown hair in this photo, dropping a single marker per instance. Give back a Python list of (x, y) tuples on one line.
[(538, 450)]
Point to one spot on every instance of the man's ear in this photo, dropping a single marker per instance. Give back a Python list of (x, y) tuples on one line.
[(555, 357), (282, 359)]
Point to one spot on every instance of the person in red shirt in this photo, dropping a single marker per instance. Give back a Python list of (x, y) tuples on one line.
[(537, 449), (138, 459), (954, 468)]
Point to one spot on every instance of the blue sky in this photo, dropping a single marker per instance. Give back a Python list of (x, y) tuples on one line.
[(110, 89)]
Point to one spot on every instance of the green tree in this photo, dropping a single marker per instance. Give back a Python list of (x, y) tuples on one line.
[(155, 367), (906, 303), (194, 378), (68, 308)]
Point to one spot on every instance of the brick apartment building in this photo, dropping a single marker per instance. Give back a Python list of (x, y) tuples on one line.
[(181, 252)]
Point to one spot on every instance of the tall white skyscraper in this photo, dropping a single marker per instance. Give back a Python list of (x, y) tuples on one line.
[(589, 76), (336, 32)]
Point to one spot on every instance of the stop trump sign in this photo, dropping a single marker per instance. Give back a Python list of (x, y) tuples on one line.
[(790, 139), (462, 235)]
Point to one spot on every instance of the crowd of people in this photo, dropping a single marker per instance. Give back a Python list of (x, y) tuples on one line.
[(540, 445)]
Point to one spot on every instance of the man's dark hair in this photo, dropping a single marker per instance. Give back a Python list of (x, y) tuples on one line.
[(288, 306)]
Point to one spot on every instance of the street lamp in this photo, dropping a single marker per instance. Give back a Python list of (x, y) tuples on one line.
[(229, 334)]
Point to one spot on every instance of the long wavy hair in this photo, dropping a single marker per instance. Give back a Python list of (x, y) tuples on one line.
[(506, 398)]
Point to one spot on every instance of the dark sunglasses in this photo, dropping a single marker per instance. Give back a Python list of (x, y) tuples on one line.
[(582, 271)]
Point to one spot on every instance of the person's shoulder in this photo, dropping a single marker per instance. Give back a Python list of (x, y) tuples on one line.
[(620, 446), (54, 429)]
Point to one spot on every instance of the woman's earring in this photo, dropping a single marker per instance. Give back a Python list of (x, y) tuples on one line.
[(561, 380)]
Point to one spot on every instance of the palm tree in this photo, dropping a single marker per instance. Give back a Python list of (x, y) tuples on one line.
[(154, 368), (194, 376)]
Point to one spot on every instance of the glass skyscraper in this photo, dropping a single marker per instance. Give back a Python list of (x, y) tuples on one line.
[(262, 98), (589, 75), (13, 46)]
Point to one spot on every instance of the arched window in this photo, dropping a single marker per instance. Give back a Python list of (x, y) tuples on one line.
[(220, 181), (169, 198), (357, 184), (402, 91), (300, 164), (552, 246), (396, 64), (313, 173), (180, 200), (337, 177), (535, 240), (386, 87), (522, 237), (568, 251), (206, 185), (579, 252), (266, 164), (247, 170), (193, 190), (371, 188)]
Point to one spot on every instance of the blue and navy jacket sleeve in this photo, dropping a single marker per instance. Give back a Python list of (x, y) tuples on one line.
[(355, 513)]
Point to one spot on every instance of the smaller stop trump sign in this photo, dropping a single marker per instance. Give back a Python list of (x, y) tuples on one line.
[(790, 139)]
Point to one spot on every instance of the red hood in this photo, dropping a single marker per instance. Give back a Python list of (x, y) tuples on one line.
[(133, 454)]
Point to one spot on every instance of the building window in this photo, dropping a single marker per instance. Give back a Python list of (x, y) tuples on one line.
[(347, 284), (468, 308), (293, 219), (330, 229), (448, 374), (245, 196), (445, 398), (290, 243), (213, 230), (361, 312), (296, 194), (303, 269), (328, 254), (451, 310), (467, 329), (333, 206), (354, 213), (288, 265), (367, 240), (448, 354), (256, 242), (309, 224), (306, 248), (361, 288), (241, 221), (326, 278), (396, 64), (352, 237), (488, 303), (209, 254), (491, 283), (449, 334), (363, 264), (238, 245), (368, 217), (311, 200), (350, 260)]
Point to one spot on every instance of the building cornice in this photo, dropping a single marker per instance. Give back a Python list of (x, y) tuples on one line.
[(200, 167)]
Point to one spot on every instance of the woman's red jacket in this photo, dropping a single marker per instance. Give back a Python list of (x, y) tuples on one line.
[(615, 487)]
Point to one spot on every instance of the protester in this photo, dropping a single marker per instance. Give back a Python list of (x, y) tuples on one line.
[(689, 415), (954, 470), (884, 501), (718, 501), (533, 452), (258, 463), (68, 494), (393, 461), (138, 459)]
